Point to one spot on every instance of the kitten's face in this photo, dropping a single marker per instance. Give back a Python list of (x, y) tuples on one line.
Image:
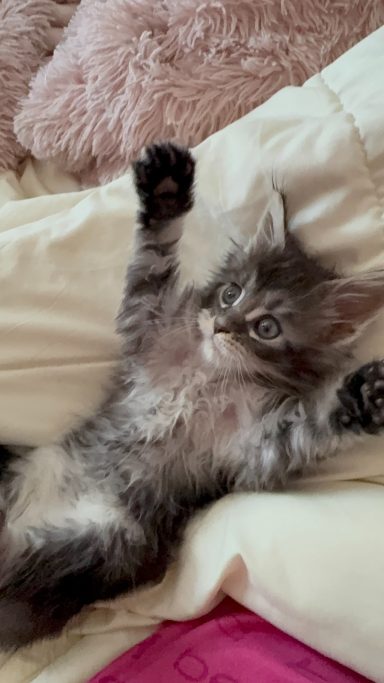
[(255, 321), (245, 327), (274, 313)]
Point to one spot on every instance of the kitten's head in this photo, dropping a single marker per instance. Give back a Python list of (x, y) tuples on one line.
[(275, 313)]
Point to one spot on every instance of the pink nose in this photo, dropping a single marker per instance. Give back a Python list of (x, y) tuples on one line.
[(220, 326)]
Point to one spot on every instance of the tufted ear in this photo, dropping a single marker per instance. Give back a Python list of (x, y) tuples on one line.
[(350, 304), (271, 233)]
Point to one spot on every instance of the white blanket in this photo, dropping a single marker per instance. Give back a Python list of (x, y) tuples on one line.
[(310, 560)]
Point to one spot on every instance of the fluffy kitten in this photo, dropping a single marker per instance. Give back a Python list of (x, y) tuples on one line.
[(234, 388)]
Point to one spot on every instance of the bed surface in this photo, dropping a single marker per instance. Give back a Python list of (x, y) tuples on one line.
[(311, 561)]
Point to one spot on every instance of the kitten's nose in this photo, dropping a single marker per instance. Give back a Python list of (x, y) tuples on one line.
[(220, 326)]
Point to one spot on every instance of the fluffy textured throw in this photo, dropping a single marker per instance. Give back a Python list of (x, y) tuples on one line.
[(29, 30), (131, 71)]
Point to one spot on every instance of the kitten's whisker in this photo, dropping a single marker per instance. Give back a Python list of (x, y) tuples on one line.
[(218, 383), (239, 374), (175, 330), (192, 320), (226, 379)]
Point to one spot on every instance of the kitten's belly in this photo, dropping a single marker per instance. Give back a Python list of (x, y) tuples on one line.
[(49, 491)]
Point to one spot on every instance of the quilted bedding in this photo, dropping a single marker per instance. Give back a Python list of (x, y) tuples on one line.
[(310, 560)]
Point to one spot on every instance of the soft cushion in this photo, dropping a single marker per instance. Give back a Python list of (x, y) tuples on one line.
[(310, 560), (127, 74), (29, 31)]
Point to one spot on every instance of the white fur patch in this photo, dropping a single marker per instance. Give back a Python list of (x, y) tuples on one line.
[(39, 487), (44, 497)]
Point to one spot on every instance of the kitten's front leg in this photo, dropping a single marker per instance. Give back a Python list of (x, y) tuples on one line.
[(361, 400), (164, 181), (294, 438), (355, 406)]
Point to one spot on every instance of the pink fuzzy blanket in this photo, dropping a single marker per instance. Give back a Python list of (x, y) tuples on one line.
[(29, 30), (131, 71)]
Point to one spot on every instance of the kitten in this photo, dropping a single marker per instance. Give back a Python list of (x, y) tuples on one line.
[(236, 387)]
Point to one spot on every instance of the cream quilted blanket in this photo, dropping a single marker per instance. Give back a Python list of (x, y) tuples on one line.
[(310, 560)]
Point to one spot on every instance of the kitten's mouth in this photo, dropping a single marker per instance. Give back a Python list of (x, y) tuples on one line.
[(224, 342), (222, 336), (219, 345)]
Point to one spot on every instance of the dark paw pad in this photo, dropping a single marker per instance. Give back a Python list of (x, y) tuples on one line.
[(164, 181), (362, 398)]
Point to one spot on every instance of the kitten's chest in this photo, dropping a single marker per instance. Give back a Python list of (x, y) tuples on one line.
[(193, 412)]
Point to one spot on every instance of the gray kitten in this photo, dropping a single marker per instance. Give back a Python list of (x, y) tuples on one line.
[(236, 387)]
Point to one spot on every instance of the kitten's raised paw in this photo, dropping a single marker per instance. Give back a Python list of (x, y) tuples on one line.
[(362, 398), (164, 181)]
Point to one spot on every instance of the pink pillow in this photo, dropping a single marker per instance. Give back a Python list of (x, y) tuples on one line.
[(131, 71)]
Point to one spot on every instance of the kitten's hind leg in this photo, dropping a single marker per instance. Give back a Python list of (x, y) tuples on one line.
[(54, 573)]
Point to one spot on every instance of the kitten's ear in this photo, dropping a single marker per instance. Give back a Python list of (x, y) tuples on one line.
[(350, 304), (271, 233)]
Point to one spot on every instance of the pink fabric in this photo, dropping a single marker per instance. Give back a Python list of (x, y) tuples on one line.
[(29, 30), (230, 645), (131, 71)]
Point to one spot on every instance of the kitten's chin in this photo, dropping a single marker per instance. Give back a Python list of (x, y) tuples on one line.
[(221, 351)]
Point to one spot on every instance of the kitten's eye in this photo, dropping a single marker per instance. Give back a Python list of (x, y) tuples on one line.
[(231, 295), (267, 327)]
